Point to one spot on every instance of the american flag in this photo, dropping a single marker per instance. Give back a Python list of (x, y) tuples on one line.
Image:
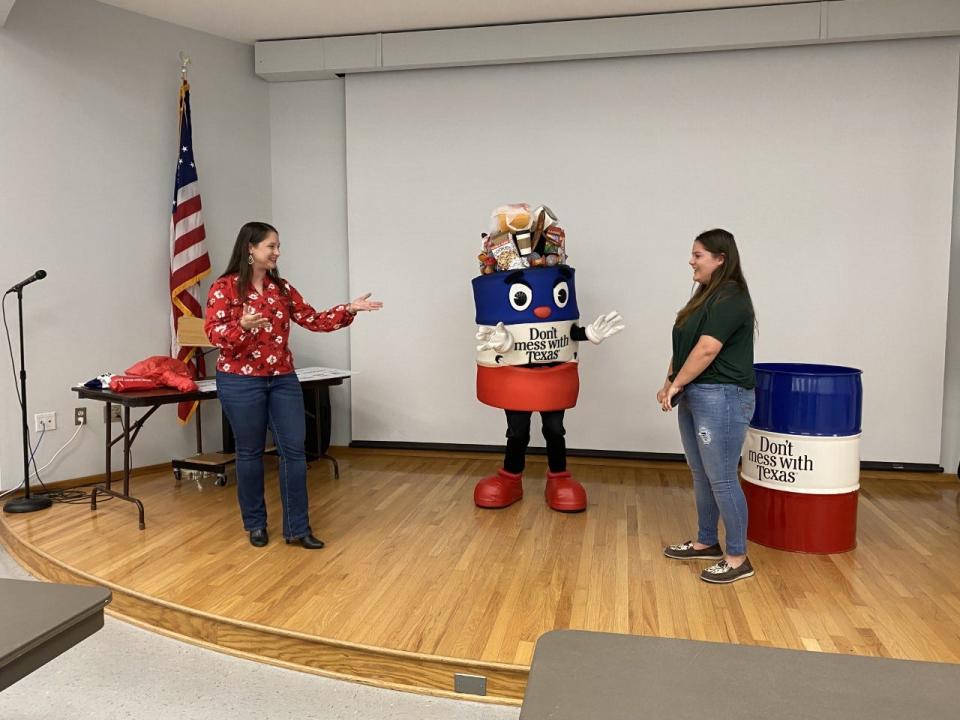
[(189, 262)]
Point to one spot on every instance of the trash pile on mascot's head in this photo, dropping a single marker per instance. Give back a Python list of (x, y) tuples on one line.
[(520, 238)]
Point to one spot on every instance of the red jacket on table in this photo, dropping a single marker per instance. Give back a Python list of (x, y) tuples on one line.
[(262, 351)]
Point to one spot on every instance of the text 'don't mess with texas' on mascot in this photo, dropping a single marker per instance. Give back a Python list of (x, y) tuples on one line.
[(527, 356)]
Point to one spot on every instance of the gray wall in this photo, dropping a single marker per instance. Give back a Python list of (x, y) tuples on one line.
[(824, 161), (88, 137), (307, 146), (329, 127), (950, 447)]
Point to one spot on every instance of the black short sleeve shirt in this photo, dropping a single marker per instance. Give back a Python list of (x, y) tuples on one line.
[(727, 317)]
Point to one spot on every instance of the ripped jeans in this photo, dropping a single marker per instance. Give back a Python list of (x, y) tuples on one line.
[(713, 424)]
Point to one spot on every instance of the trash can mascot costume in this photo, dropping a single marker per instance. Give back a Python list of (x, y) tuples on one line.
[(527, 357)]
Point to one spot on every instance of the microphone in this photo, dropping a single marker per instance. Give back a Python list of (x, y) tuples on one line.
[(38, 275)]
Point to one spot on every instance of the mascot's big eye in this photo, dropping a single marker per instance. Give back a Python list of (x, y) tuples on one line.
[(561, 294), (520, 296)]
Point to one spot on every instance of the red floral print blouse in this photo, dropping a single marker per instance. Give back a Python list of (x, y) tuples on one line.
[(262, 351)]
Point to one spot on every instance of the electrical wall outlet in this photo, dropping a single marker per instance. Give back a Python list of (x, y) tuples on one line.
[(45, 421), (80, 416), (114, 413)]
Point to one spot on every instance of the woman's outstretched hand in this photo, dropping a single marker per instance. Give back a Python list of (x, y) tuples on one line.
[(363, 303)]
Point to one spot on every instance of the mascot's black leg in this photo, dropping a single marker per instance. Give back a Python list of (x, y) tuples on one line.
[(506, 486), (553, 433), (518, 438), (562, 493)]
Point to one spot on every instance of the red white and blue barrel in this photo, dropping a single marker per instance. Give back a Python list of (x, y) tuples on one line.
[(801, 459)]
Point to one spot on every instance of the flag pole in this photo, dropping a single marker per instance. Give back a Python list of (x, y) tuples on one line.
[(189, 262)]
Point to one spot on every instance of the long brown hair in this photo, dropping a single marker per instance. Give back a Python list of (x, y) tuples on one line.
[(253, 233), (717, 242)]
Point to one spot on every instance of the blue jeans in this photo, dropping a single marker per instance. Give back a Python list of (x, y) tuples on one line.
[(713, 425), (251, 404)]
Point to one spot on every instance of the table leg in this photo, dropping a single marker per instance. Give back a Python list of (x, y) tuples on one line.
[(128, 437), (324, 421), (319, 416), (126, 450), (108, 431)]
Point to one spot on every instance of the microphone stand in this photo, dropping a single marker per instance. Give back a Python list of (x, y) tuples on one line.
[(27, 503)]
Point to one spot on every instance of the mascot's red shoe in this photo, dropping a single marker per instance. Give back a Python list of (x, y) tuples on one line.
[(565, 494), (498, 491)]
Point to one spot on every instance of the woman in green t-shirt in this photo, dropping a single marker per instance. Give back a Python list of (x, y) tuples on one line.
[(711, 382)]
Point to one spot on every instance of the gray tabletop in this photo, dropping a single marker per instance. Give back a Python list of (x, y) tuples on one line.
[(39, 620), (604, 676)]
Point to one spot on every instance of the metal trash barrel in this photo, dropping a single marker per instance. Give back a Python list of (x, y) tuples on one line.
[(801, 459)]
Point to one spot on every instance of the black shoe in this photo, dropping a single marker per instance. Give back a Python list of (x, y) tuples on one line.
[(686, 551), (258, 538), (308, 541)]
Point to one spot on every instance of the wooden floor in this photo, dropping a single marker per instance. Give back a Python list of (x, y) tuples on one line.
[(417, 584)]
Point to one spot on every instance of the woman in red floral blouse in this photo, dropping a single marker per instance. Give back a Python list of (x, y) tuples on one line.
[(249, 309)]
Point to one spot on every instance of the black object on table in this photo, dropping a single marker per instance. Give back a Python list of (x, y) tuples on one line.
[(41, 620), (317, 385), (577, 674)]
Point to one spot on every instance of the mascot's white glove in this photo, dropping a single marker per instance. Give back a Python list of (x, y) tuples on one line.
[(494, 338), (603, 327)]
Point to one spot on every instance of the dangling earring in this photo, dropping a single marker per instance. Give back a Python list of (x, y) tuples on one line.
[(250, 259)]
